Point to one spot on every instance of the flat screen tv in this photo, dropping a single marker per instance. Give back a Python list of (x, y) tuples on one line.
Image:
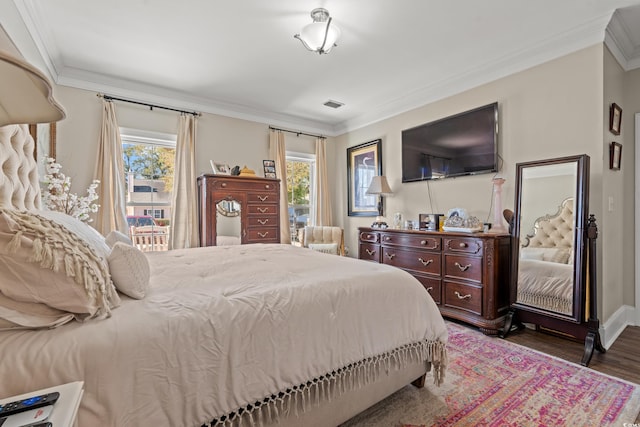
[(462, 144)]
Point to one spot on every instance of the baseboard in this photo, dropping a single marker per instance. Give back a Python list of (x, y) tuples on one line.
[(613, 327)]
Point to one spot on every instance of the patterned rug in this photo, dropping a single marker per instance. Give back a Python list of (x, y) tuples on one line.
[(492, 382)]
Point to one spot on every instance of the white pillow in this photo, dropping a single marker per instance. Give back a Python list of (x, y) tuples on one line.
[(530, 253), (557, 255), (84, 231), (129, 269), (326, 248), (116, 236)]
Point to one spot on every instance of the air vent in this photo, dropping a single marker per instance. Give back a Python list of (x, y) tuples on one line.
[(333, 104)]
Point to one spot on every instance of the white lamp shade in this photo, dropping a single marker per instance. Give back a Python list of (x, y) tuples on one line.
[(379, 185), (26, 94), (313, 36)]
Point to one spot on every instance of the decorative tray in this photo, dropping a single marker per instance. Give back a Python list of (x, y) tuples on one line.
[(463, 229)]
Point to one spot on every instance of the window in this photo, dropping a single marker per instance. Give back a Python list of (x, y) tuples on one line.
[(301, 175), (149, 165)]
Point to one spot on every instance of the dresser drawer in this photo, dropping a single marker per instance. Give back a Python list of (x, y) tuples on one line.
[(242, 185), (369, 252), (423, 261), (467, 245), (463, 267), (366, 236), (462, 296), (408, 240), (263, 197), (262, 220), (262, 209), (432, 285), (263, 235)]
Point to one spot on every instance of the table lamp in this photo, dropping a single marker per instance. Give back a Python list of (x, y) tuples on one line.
[(380, 187)]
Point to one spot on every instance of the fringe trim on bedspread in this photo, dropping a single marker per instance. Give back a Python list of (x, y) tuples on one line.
[(301, 397)]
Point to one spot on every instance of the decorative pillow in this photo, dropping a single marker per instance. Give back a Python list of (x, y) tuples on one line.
[(558, 255), (116, 236), (326, 248), (56, 260), (530, 253), (561, 256), (130, 270)]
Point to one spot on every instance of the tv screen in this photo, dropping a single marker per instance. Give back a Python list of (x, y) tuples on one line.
[(463, 144)]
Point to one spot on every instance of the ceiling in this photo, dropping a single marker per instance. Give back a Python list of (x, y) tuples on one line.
[(240, 59)]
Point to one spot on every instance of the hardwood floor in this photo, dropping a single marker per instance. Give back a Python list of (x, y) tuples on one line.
[(621, 360)]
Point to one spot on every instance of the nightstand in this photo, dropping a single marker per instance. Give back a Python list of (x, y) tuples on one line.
[(65, 409)]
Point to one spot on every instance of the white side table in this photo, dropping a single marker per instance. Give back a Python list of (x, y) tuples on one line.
[(65, 409)]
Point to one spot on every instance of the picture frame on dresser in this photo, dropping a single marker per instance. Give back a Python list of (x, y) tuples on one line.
[(220, 168), (364, 161)]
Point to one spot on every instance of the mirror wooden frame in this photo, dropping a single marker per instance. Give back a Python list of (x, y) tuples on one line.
[(37, 131), (577, 325)]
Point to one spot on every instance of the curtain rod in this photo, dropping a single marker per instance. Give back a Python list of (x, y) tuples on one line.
[(297, 132), (151, 106)]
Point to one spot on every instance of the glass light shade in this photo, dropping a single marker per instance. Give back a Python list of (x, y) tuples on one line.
[(313, 36)]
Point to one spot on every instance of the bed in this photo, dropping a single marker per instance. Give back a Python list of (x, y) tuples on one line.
[(545, 271), (230, 335)]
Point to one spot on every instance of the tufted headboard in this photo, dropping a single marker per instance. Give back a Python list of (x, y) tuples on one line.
[(19, 186), (553, 231)]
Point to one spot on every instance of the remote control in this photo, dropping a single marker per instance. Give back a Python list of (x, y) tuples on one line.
[(28, 403)]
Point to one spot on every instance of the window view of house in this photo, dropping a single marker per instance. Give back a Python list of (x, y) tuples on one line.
[(149, 168), (300, 184)]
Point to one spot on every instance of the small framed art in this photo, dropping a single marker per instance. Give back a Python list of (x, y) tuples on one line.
[(615, 155), (269, 168), (615, 119), (220, 168)]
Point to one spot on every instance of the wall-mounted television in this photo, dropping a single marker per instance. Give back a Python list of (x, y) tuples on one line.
[(462, 144)]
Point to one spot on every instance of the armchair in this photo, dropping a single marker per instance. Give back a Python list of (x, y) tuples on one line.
[(324, 239)]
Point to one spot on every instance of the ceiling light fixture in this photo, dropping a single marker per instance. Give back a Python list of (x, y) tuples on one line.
[(321, 35)]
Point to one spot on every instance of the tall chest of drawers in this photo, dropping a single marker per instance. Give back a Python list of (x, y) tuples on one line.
[(258, 200), (466, 274)]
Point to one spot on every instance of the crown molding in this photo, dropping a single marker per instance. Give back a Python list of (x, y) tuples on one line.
[(619, 41)]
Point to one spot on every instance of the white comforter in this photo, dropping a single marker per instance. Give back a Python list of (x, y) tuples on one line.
[(221, 328), (548, 285)]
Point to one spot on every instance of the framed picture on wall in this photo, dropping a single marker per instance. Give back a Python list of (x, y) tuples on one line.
[(364, 161), (615, 155), (615, 119)]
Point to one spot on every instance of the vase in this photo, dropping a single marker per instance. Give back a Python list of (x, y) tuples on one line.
[(498, 225)]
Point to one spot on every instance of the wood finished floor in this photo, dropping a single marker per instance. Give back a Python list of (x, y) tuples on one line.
[(621, 360)]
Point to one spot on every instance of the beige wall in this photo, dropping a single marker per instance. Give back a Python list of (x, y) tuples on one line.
[(551, 110), (223, 139)]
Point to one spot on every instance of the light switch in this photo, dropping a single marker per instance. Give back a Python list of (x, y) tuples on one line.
[(610, 203)]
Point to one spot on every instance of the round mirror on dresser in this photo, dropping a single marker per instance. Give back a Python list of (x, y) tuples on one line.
[(551, 241)]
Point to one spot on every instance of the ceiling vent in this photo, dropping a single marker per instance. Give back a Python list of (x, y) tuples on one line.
[(333, 104)]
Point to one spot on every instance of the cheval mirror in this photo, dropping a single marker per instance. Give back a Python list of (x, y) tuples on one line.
[(550, 249)]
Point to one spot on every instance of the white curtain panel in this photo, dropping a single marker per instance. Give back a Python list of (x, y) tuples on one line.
[(184, 215), (111, 191), (322, 205), (279, 154)]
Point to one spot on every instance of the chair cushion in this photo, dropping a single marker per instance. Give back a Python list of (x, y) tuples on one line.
[(327, 248)]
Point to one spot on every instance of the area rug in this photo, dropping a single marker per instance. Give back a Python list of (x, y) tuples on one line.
[(492, 382)]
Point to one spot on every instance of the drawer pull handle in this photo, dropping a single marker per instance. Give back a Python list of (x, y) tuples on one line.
[(467, 296), (463, 267), (429, 289), (370, 252), (263, 235), (263, 221), (425, 263), (424, 242), (263, 199), (387, 238), (390, 256), (462, 245), (224, 184), (263, 210), (267, 186)]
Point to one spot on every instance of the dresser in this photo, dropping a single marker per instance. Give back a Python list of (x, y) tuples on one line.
[(256, 203), (467, 274)]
